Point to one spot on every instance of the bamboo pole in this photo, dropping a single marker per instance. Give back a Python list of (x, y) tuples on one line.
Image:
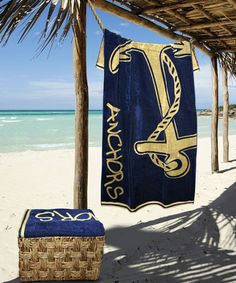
[(125, 14), (81, 112), (214, 119), (225, 115)]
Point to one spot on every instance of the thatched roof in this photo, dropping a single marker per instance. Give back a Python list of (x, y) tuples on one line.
[(211, 24)]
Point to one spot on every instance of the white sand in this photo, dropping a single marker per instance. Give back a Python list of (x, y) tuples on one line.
[(186, 243)]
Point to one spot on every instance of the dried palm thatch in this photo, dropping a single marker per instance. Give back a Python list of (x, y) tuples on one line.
[(210, 24), (61, 16), (228, 60)]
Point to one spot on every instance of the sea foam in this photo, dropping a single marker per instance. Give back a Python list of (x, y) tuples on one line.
[(11, 121), (44, 119)]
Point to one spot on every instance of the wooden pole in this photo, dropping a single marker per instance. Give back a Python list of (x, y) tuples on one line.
[(214, 119), (225, 115), (81, 112), (125, 14)]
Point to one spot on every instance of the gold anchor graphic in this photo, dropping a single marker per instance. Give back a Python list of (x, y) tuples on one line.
[(170, 155)]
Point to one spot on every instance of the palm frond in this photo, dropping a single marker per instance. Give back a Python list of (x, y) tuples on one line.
[(228, 60), (61, 16)]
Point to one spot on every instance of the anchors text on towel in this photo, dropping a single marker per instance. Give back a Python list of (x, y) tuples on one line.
[(49, 216), (114, 157)]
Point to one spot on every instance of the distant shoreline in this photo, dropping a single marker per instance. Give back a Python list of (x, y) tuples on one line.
[(200, 112), (231, 112)]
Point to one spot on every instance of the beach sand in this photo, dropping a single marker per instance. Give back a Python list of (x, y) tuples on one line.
[(186, 243)]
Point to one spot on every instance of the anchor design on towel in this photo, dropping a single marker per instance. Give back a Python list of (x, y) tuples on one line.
[(170, 155)]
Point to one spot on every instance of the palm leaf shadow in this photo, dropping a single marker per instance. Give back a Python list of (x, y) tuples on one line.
[(187, 247)]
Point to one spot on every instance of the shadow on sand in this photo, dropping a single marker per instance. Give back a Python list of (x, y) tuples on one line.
[(187, 247), (226, 170)]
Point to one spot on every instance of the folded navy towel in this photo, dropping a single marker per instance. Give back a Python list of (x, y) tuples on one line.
[(60, 222)]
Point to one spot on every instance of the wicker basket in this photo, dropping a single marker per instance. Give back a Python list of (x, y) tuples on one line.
[(60, 258)]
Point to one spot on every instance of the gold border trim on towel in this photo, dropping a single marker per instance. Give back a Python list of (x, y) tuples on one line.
[(99, 67), (145, 204), (22, 230)]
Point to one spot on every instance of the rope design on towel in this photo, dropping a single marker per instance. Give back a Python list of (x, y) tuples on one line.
[(170, 114), (96, 15)]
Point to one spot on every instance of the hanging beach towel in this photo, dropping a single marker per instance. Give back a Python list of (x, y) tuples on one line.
[(149, 123)]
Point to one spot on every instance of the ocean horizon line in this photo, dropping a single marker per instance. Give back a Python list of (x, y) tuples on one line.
[(59, 110)]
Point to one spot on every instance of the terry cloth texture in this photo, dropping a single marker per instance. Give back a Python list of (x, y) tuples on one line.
[(149, 123), (60, 222)]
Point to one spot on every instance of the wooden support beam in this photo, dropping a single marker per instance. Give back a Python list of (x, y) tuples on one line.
[(225, 115), (81, 112), (178, 16), (161, 21), (214, 118), (125, 14), (206, 25)]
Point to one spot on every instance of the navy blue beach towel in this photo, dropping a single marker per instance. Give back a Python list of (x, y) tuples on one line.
[(60, 222), (149, 123)]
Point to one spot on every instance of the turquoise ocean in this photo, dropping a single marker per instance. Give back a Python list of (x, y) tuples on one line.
[(47, 130)]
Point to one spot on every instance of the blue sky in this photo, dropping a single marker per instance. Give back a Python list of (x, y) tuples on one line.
[(46, 82)]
